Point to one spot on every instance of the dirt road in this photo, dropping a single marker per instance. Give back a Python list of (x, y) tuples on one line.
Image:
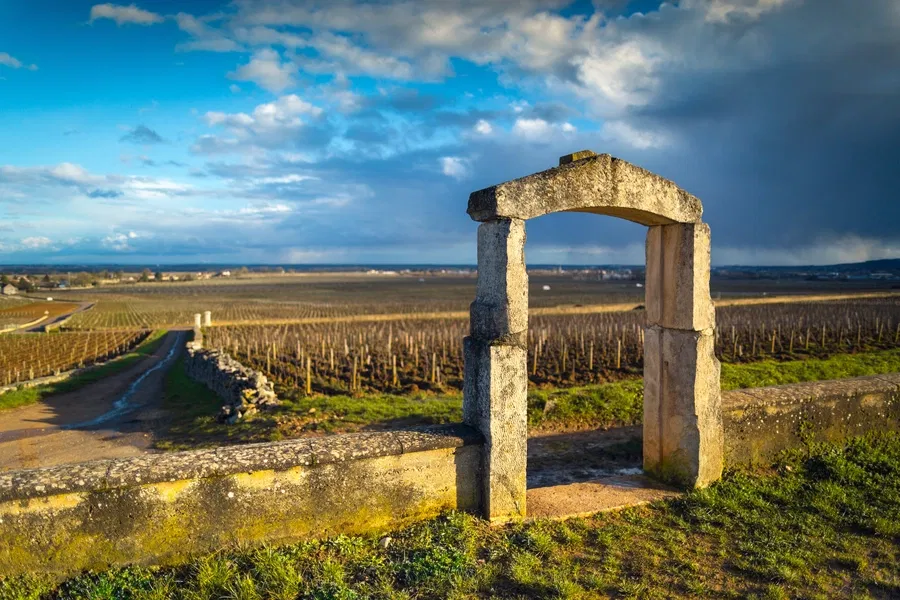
[(110, 418)]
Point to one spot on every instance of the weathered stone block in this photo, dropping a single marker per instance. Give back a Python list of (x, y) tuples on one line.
[(677, 282), (580, 155), (683, 435), (761, 422), (599, 184), (501, 296), (495, 403)]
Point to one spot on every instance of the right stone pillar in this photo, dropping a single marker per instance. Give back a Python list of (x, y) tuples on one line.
[(683, 431)]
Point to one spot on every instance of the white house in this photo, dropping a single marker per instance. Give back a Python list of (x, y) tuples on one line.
[(9, 290)]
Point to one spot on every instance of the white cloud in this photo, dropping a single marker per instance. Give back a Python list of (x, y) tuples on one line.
[(540, 130), (532, 129), (619, 76), (74, 173), (147, 188), (267, 36), (722, 10), (120, 242), (36, 242), (267, 70), (269, 125), (483, 127), (124, 14), (204, 37), (214, 144), (634, 137), (454, 166), (292, 178), (15, 63), (354, 59), (265, 209)]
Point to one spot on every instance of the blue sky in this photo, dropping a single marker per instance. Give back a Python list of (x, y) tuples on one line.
[(340, 131)]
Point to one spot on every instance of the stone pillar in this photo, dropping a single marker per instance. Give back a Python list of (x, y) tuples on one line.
[(207, 319), (197, 321), (683, 432), (496, 371)]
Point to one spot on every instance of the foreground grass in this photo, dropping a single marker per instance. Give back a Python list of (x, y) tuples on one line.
[(821, 523), (25, 396), (553, 409)]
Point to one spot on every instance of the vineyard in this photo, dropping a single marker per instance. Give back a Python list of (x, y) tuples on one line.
[(26, 313), (24, 357), (410, 354), (320, 298), (167, 314)]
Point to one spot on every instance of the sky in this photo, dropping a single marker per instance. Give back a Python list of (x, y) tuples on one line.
[(349, 131)]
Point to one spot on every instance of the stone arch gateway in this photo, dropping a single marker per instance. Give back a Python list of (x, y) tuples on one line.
[(683, 431)]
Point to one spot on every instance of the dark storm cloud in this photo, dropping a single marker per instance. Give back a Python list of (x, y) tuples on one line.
[(142, 135), (806, 145)]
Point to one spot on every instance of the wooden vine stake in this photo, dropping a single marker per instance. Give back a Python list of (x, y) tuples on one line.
[(308, 376)]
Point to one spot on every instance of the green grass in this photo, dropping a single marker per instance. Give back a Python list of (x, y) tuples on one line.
[(191, 410), (839, 366), (821, 523), (553, 409), (25, 396)]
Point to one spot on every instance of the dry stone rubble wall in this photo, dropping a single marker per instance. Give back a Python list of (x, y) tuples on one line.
[(244, 390)]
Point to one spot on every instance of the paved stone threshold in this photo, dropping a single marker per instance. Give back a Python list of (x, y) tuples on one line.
[(591, 497)]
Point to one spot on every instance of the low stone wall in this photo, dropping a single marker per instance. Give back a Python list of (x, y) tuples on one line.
[(162, 508), (761, 422), (244, 390)]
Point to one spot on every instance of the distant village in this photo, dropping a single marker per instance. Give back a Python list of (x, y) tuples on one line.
[(24, 280), (12, 284)]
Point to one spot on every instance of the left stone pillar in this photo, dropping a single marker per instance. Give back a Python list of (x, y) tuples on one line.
[(495, 391)]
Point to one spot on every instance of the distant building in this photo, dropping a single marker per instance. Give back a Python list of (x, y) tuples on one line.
[(225, 274), (9, 290)]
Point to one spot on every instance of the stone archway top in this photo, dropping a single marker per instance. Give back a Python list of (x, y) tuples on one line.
[(592, 183)]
